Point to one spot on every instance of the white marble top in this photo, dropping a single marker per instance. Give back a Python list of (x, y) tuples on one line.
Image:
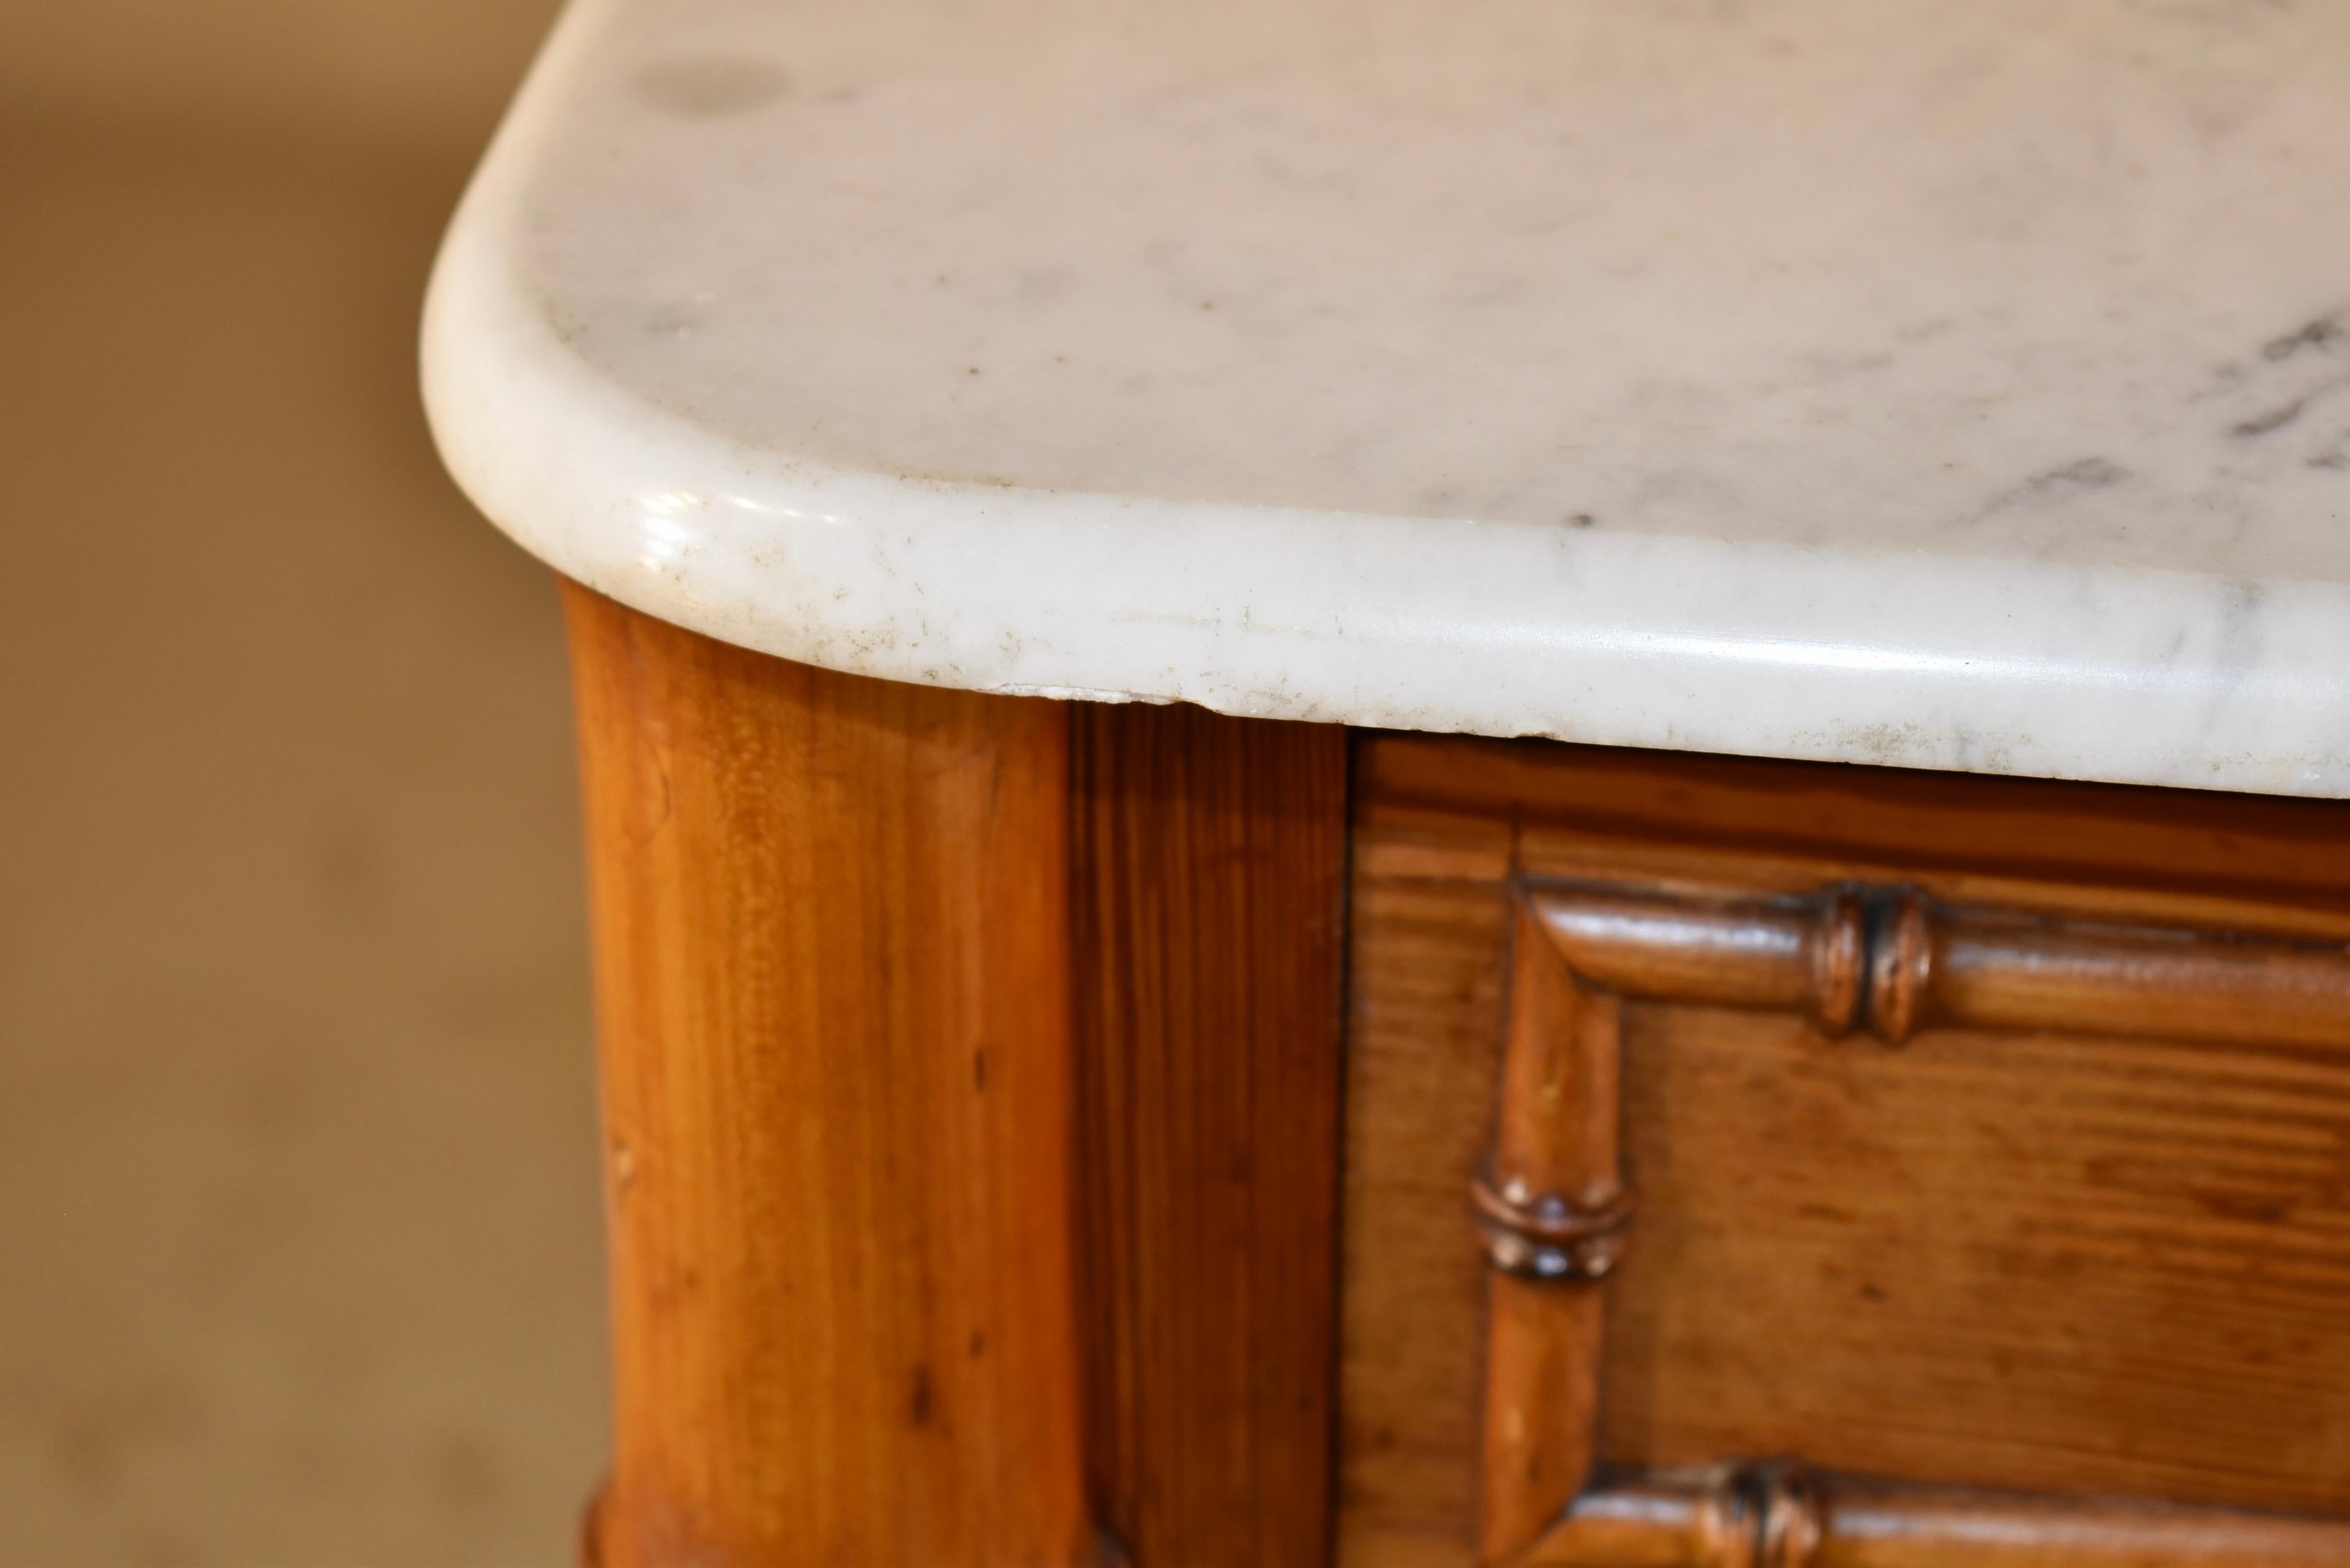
[(1957, 385)]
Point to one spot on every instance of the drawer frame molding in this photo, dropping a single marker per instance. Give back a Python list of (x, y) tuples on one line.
[(1555, 1204)]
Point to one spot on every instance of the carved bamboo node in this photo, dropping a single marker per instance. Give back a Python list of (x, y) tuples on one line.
[(1789, 1517), (1872, 955), (1839, 957), (1900, 963), (1545, 1236)]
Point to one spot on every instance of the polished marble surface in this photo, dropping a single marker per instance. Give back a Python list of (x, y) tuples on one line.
[(1956, 386)]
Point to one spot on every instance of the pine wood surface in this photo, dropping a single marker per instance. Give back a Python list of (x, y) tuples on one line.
[(970, 1072), (1209, 859), (830, 920), (2263, 855), (2050, 1261)]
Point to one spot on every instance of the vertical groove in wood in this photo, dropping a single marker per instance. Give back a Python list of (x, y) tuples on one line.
[(830, 925), (1209, 867)]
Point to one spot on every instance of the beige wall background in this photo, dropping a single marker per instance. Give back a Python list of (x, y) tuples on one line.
[(299, 1252), (435, 72)]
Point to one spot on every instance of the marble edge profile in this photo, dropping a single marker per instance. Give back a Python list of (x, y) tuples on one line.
[(1902, 658)]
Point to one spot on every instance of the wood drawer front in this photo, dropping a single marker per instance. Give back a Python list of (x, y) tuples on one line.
[(1964, 1166)]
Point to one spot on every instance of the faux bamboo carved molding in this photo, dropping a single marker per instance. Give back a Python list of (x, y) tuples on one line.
[(1780, 1517), (1554, 1203)]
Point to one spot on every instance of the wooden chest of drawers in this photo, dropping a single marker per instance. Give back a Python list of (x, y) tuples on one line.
[(1053, 1123), (1039, 1130)]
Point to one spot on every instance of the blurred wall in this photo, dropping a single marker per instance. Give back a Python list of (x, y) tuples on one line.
[(299, 1248), (427, 70)]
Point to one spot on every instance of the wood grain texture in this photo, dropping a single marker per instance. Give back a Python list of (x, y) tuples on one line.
[(2051, 1260), (1210, 857), (2039, 1262), (2256, 852), (1426, 982), (829, 925)]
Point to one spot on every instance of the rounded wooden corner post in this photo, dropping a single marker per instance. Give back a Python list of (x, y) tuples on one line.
[(830, 930)]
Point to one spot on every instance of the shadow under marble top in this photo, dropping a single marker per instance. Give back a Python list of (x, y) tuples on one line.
[(1958, 386)]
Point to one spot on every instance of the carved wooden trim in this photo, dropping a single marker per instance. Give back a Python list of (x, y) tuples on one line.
[(1556, 1156), (1554, 1203), (1890, 961), (1767, 1516)]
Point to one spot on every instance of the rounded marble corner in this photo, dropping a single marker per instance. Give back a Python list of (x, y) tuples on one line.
[(1981, 663)]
